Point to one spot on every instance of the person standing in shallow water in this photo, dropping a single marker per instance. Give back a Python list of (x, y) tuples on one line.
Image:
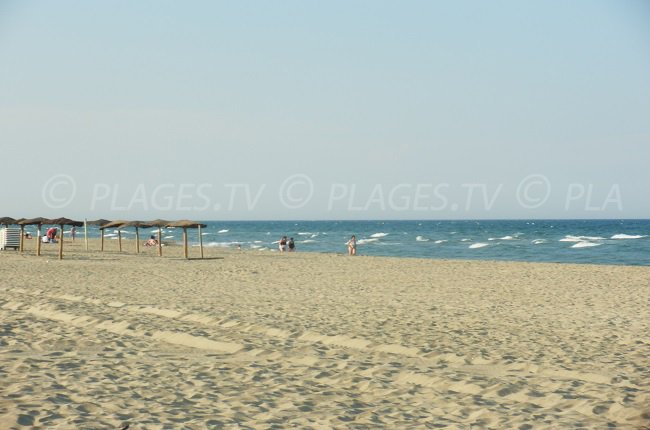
[(352, 245), (283, 244), (291, 244)]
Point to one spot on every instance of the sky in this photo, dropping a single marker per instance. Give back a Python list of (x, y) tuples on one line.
[(297, 110)]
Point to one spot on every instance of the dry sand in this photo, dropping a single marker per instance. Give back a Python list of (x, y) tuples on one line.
[(262, 340)]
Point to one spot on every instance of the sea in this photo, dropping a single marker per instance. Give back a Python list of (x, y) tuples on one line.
[(619, 242)]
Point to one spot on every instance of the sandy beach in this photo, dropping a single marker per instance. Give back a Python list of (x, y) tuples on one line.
[(262, 340)]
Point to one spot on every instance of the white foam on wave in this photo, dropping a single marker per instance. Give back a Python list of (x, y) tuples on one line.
[(168, 237), (421, 239), (219, 244), (305, 233), (627, 236), (365, 241), (123, 231), (307, 241), (478, 245), (571, 238), (440, 241), (223, 231), (585, 245), (507, 238), (539, 241), (466, 240), (378, 235)]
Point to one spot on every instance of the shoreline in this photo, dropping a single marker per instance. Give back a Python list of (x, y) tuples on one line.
[(175, 248)]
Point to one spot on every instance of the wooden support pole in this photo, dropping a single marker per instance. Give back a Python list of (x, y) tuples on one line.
[(86, 232), (39, 240), (201, 242), (61, 244), (185, 242)]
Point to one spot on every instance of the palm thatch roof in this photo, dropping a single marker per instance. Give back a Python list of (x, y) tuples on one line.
[(33, 221), (64, 221), (137, 224), (113, 224), (186, 224), (159, 223), (98, 222)]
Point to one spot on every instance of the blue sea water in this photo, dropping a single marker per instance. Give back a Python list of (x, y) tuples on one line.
[(622, 242)]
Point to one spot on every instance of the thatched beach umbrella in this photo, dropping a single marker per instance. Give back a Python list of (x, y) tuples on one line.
[(98, 222), (114, 224), (61, 222), (38, 222), (160, 223), (185, 224), (7, 221), (138, 225)]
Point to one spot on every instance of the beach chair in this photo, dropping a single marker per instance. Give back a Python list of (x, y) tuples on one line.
[(9, 238)]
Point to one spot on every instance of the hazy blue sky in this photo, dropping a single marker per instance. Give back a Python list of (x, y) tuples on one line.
[(323, 110)]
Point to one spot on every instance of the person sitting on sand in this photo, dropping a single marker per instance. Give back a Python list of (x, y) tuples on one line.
[(151, 242), (352, 245)]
